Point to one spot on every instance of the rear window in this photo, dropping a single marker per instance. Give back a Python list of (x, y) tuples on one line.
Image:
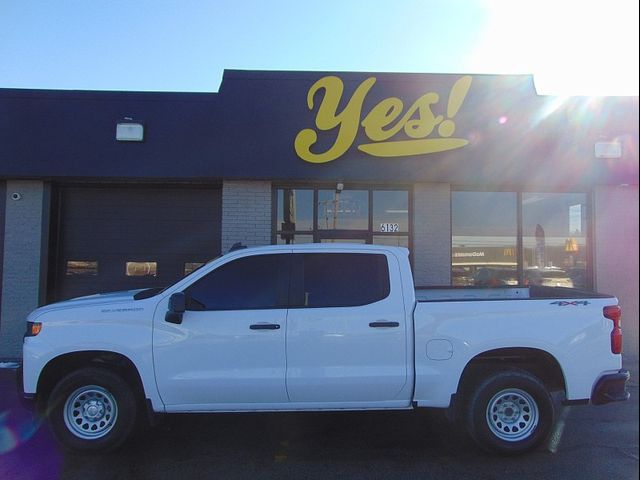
[(339, 280)]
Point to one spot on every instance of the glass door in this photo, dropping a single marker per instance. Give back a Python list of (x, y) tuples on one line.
[(349, 215), (343, 237)]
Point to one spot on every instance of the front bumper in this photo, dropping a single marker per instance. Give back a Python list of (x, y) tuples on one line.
[(611, 388), (28, 401)]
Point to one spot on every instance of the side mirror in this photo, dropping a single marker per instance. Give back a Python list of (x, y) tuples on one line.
[(177, 306)]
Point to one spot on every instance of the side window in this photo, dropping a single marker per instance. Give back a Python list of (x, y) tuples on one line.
[(340, 279), (255, 282)]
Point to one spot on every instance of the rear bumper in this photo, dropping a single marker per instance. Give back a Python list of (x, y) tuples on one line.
[(611, 388)]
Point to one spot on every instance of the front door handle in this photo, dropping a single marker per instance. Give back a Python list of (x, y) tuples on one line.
[(265, 326), (384, 324)]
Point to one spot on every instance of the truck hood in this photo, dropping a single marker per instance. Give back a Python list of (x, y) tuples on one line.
[(87, 301)]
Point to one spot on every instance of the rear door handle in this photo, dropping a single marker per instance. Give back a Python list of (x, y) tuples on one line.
[(384, 324), (265, 326)]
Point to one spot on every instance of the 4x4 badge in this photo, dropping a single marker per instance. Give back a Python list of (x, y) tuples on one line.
[(574, 303)]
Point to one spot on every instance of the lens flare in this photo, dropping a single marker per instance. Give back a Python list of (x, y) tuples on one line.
[(12, 436)]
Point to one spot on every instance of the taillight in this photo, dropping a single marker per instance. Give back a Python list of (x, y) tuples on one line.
[(614, 313)]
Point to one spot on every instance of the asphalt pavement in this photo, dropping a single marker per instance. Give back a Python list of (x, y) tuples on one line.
[(589, 443)]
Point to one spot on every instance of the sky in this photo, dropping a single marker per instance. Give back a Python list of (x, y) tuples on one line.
[(571, 47)]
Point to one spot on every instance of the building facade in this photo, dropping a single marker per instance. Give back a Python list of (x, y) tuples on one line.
[(486, 182)]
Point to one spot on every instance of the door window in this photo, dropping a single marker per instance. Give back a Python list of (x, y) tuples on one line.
[(343, 209), (339, 279), (249, 283)]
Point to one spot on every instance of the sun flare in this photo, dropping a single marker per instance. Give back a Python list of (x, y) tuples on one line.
[(572, 48)]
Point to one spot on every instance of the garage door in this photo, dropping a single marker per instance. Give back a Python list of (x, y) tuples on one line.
[(121, 238), (3, 193)]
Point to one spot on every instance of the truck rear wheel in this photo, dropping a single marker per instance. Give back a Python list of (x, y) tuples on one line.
[(92, 409), (510, 412)]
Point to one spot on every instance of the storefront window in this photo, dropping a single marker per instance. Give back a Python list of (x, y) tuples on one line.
[(295, 209), (292, 239), (555, 239), (551, 248), (484, 238)]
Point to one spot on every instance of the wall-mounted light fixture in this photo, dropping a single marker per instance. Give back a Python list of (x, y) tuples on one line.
[(129, 131), (608, 150)]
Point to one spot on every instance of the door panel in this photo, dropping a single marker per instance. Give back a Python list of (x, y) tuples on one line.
[(217, 358), (334, 354), (230, 347)]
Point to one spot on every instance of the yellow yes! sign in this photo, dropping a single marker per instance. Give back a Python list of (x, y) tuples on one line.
[(385, 120)]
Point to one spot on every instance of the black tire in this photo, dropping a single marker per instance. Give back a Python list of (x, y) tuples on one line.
[(92, 409), (510, 412)]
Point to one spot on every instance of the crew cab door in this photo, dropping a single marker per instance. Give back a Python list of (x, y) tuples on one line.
[(346, 331), (229, 348)]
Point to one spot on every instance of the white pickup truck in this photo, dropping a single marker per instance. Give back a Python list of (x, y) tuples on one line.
[(322, 327)]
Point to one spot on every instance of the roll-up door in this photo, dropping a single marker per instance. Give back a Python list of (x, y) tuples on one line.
[(121, 238), (3, 196)]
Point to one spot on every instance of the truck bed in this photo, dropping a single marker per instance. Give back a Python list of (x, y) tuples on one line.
[(443, 294)]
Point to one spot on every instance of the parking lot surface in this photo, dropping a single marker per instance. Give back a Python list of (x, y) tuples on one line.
[(589, 443)]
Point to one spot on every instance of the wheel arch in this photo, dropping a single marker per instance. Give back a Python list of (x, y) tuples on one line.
[(62, 365), (538, 362)]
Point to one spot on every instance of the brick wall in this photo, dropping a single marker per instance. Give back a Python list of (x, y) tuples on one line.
[(246, 213), (21, 275), (432, 234)]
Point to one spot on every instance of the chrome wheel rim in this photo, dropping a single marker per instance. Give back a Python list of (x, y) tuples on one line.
[(90, 412), (512, 415)]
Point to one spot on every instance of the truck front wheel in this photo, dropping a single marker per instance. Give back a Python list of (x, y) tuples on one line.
[(92, 409), (510, 412)]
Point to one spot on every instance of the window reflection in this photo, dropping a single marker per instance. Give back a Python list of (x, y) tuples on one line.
[(294, 238), (343, 210), (390, 211), (190, 267), (484, 238), (555, 239), (81, 268), (295, 209), (141, 269)]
